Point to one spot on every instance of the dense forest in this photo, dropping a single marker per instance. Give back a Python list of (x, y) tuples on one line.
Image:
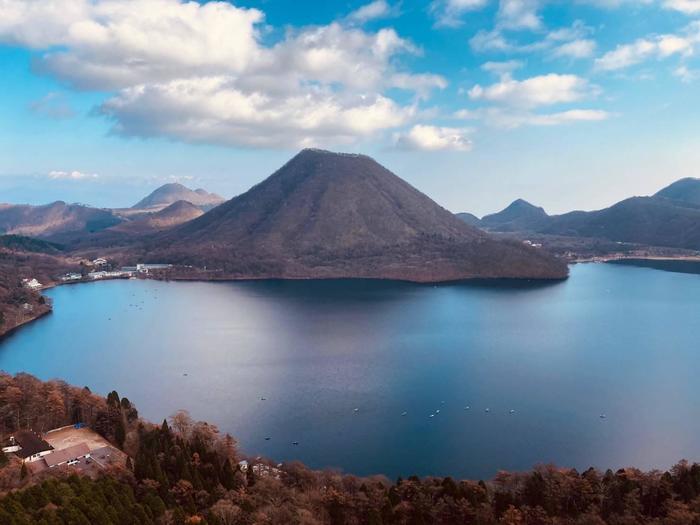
[(183, 471)]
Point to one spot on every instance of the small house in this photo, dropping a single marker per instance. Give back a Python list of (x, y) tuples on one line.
[(31, 446)]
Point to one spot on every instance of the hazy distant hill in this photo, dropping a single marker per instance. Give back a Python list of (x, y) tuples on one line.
[(53, 219), (469, 218), (654, 221), (177, 213), (518, 216), (326, 214), (684, 190), (670, 218), (173, 192)]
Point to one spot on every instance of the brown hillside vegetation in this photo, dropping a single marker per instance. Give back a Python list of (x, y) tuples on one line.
[(177, 213), (328, 215), (186, 472), (18, 304)]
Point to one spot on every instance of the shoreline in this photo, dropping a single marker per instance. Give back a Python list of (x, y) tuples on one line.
[(609, 258), (11, 331)]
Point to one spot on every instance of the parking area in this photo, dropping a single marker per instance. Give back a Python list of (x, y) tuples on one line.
[(69, 436), (108, 456)]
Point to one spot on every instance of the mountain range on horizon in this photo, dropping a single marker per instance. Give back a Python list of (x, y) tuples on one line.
[(330, 214), (165, 207), (669, 218)]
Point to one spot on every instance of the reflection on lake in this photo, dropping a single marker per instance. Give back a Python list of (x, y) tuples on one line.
[(617, 340)]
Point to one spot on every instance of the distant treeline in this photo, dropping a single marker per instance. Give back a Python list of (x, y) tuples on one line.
[(186, 472)]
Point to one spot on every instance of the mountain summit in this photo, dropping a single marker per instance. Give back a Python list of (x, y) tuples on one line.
[(518, 216), (327, 214), (683, 190), (173, 192)]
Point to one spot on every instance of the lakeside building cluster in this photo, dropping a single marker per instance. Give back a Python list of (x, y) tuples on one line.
[(123, 272)]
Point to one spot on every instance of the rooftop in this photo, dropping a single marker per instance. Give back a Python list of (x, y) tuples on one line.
[(61, 456), (31, 444)]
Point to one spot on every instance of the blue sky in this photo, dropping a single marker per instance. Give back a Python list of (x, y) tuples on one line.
[(570, 105)]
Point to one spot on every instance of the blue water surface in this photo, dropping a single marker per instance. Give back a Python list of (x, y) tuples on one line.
[(614, 340)]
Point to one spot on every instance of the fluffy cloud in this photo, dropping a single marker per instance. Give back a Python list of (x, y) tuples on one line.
[(216, 110), (519, 14), (433, 138), (200, 72), (372, 11), (689, 7), (108, 44), (513, 103), (537, 91), (72, 175), (660, 46)]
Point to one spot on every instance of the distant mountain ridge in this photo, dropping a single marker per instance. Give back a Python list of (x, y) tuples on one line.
[(684, 190), (173, 192), (172, 215), (70, 223), (669, 218), (326, 215), (519, 215), (52, 219)]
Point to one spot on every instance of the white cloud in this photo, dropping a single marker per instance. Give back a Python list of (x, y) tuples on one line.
[(659, 46), (575, 49), (200, 71), (572, 42), (448, 13), (689, 7), (509, 118), (116, 43), (216, 110), (569, 116), (372, 11), (502, 68), (491, 41), (536, 91), (72, 175), (421, 84), (433, 138), (519, 14), (685, 74)]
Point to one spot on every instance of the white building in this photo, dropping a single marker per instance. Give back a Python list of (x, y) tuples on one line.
[(32, 284)]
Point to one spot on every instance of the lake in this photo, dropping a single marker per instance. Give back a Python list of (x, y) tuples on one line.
[(615, 340)]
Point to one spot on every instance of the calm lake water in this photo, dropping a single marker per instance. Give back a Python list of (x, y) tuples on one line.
[(614, 340)]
